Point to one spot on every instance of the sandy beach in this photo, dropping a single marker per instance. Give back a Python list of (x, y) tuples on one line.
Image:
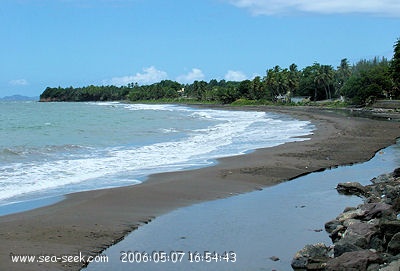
[(88, 222)]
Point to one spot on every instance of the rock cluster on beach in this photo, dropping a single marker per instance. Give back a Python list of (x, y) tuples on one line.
[(366, 237)]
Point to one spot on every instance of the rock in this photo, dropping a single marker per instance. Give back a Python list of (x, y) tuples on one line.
[(381, 179), (361, 230), (357, 240), (377, 243), (363, 237), (376, 210), (389, 228), (354, 261), (337, 233), (352, 188), (391, 193), (343, 246), (299, 263), (274, 258), (396, 205), (396, 173), (393, 266), (311, 256), (359, 234), (349, 222), (373, 267), (394, 244), (385, 191), (332, 225), (347, 209), (350, 214)]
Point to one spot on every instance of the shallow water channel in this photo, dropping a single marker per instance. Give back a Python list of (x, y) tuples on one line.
[(277, 221)]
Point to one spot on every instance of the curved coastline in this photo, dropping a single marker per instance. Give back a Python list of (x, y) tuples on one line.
[(88, 222)]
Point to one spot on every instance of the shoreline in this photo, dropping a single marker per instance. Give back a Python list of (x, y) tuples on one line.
[(88, 222), (274, 222), (364, 237)]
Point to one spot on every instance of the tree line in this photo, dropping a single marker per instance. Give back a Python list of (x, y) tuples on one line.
[(360, 84)]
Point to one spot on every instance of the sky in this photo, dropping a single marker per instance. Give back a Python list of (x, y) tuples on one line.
[(51, 43)]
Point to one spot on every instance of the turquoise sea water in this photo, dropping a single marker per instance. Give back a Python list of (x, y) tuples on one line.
[(51, 149)]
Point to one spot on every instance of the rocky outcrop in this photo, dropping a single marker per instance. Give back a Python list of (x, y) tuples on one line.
[(366, 237), (311, 257), (351, 188)]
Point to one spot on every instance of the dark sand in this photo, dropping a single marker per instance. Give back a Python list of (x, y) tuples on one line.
[(88, 222)]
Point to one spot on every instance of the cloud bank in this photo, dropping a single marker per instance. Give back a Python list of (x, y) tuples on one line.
[(152, 75), (389, 8), (193, 75), (149, 75), (235, 76)]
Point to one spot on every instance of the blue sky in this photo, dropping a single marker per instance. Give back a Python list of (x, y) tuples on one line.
[(82, 42)]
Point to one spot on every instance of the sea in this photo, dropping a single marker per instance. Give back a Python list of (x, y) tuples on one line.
[(48, 150)]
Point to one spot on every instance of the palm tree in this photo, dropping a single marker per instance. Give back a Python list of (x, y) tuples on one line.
[(323, 78), (395, 69), (293, 78), (342, 74)]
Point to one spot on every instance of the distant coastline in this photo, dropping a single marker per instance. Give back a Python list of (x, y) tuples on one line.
[(18, 97)]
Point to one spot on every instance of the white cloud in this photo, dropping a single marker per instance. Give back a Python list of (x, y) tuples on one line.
[(235, 76), (18, 82), (150, 75), (193, 75), (271, 7)]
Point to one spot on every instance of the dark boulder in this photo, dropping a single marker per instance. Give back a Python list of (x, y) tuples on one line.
[(311, 257), (361, 230), (354, 261), (352, 188), (376, 210), (332, 225), (384, 178), (394, 244), (389, 228), (396, 173), (337, 233), (343, 246), (356, 213)]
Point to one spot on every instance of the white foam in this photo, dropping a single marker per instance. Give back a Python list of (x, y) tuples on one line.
[(104, 103), (156, 107), (169, 130), (234, 133)]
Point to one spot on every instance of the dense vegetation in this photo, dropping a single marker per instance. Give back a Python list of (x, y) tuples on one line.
[(360, 84)]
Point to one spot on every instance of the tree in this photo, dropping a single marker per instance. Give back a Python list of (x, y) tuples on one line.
[(227, 95), (271, 80), (245, 89), (369, 81), (323, 79), (342, 74), (312, 82), (395, 70), (277, 82), (258, 90), (293, 78)]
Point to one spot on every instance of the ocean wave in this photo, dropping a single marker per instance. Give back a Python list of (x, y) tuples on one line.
[(169, 130), (64, 166), (42, 151)]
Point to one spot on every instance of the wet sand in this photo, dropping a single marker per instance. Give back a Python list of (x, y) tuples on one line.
[(275, 222), (88, 222)]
